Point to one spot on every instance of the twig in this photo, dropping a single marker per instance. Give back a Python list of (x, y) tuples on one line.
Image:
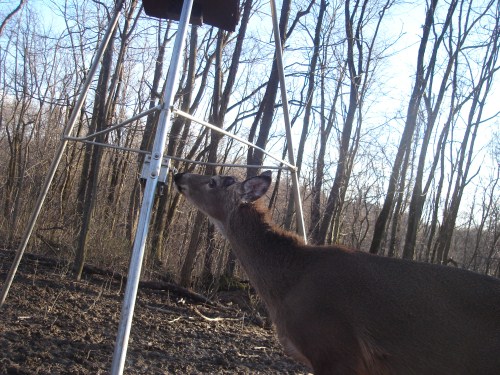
[(164, 311), (160, 309), (218, 319), (174, 320), (96, 299)]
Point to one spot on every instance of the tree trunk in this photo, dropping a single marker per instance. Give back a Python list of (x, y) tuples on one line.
[(405, 142), (265, 113), (161, 222), (152, 119), (92, 160), (115, 89), (311, 88), (476, 100), (419, 193), (188, 263), (320, 233)]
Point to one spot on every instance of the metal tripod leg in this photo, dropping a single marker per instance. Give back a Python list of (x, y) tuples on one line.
[(59, 153), (284, 99), (149, 193)]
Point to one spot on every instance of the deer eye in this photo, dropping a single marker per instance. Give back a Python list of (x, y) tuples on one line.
[(212, 183), (228, 181)]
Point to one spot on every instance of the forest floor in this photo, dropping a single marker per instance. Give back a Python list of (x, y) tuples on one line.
[(53, 324)]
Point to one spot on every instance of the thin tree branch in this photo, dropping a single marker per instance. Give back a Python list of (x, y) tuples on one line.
[(11, 14)]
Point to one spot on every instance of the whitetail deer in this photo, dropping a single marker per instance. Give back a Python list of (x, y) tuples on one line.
[(342, 311)]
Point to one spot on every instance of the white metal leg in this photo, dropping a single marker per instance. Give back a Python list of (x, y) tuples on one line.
[(288, 127), (149, 194)]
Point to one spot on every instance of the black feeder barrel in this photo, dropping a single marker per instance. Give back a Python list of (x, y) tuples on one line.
[(223, 14)]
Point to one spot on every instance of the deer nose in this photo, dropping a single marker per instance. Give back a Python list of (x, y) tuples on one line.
[(177, 181), (177, 177)]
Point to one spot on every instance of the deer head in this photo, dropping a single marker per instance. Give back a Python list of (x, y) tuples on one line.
[(218, 196)]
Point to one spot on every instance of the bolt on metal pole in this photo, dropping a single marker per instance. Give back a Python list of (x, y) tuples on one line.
[(288, 127), (149, 194), (59, 153)]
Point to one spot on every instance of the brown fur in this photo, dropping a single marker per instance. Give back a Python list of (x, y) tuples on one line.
[(342, 311)]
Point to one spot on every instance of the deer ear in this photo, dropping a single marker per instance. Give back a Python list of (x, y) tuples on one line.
[(255, 187)]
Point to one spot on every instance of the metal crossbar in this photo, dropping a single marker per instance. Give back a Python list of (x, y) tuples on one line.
[(117, 126), (239, 139), (188, 161), (86, 139)]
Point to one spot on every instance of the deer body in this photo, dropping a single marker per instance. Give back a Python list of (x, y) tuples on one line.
[(341, 311)]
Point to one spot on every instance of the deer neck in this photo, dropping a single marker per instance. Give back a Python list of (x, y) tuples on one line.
[(268, 255)]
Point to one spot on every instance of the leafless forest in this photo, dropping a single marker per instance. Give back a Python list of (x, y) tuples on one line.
[(404, 169)]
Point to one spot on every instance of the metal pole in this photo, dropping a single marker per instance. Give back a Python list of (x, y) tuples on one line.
[(286, 115), (59, 153), (149, 194)]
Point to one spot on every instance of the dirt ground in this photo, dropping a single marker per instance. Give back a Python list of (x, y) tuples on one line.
[(52, 324)]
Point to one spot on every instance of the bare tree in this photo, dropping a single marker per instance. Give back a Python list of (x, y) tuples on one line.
[(456, 47), (466, 151), (265, 113), (93, 156), (358, 62), (115, 90), (162, 39), (221, 97), (411, 121), (309, 100)]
